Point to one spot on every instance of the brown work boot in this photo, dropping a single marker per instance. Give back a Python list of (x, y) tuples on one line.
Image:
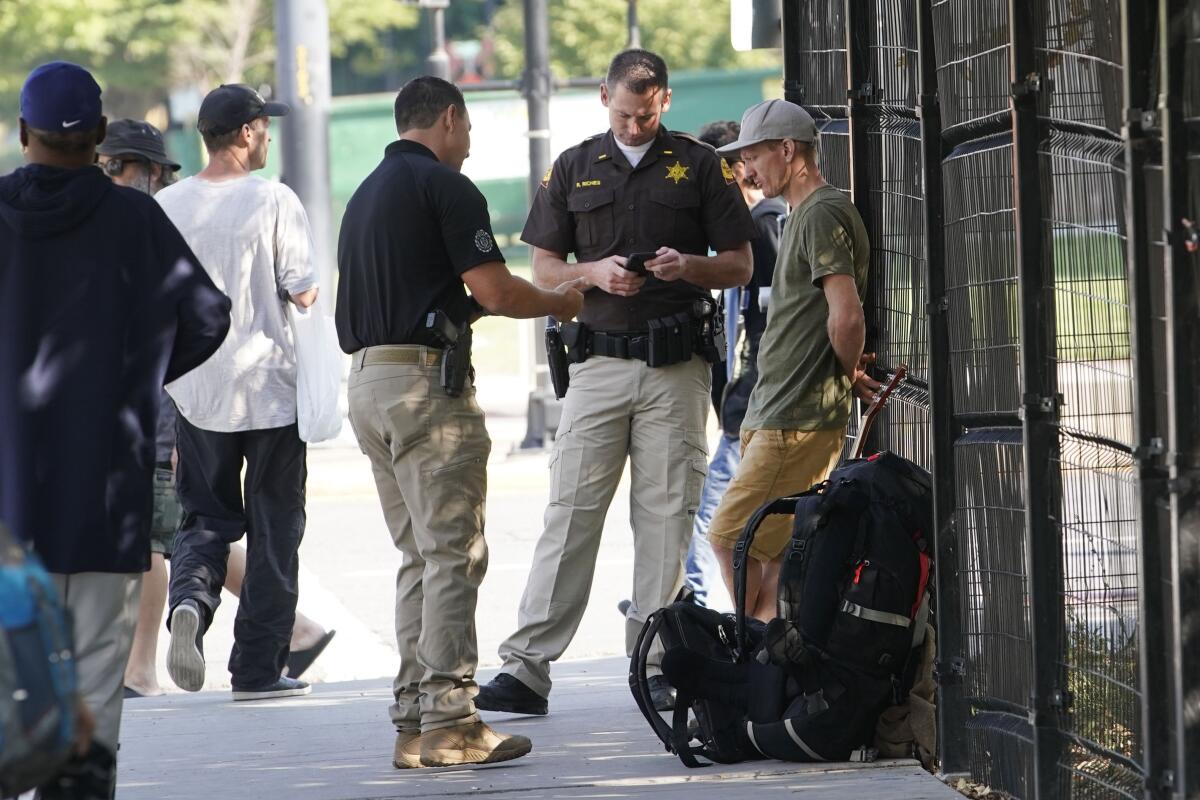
[(473, 743), (407, 754)]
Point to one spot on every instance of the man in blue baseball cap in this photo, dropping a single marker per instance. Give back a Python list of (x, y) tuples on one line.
[(101, 302), (60, 108)]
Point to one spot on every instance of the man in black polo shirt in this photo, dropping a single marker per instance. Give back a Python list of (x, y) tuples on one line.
[(637, 188), (414, 232)]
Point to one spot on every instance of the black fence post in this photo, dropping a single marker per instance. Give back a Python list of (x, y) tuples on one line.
[(793, 83), (951, 705), (1040, 401), (860, 94), (1183, 393), (1149, 434)]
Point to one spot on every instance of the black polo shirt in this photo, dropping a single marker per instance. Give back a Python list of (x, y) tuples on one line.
[(594, 204), (410, 231)]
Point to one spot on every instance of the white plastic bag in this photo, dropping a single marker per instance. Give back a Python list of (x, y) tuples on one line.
[(319, 366)]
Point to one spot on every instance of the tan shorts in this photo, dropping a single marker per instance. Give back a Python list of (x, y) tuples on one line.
[(774, 464)]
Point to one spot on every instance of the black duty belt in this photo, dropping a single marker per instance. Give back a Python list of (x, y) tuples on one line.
[(666, 341), (619, 345)]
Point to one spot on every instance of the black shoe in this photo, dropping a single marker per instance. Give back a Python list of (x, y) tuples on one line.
[(506, 693), (284, 687), (300, 660), (623, 607), (661, 693)]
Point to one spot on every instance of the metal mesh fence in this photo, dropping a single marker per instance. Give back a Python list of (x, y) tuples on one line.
[(989, 480), (833, 157), (821, 47), (981, 278), (1191, 78), (997, 640), (1099, 528), (971, 40), (1083, 306), (1001, 751), (900, 327), (1079, 52), (892, 42), (1085, 221), (898, 244)]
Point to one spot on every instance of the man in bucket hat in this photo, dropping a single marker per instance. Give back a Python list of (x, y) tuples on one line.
[(133, 155)]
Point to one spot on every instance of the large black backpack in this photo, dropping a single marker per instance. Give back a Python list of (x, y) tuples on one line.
[(853, 602), (698, 726)]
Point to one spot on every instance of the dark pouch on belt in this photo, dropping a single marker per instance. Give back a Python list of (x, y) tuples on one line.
[(657, 349), (575, 337), (674, 340), (685, 325)]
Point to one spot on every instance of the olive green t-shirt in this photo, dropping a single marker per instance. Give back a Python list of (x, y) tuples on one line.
[(801, 385)]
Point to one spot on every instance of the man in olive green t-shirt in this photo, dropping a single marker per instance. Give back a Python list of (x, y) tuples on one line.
[(810, 361)]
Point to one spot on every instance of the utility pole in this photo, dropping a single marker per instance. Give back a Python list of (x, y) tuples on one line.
[(437, 63), (635, 31), (536, 87), (303, 82)]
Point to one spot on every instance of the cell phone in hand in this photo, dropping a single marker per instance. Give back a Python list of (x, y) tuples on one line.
[(637, 262)]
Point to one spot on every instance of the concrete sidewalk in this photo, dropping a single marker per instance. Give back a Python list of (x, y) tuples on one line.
[(336, 744)]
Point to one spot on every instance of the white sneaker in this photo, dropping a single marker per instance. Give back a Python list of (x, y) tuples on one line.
[(185, 655)]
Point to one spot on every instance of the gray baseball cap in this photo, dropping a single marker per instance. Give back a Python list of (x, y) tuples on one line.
[(771, 120)]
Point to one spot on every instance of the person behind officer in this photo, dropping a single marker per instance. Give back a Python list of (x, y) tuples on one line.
[(637, 188), (810, 358), (414, 233), (133, 155)]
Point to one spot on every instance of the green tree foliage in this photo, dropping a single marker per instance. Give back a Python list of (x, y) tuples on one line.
[(124, 41), (586, 34), (141, 49)]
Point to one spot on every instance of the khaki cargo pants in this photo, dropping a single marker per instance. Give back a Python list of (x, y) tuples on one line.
[(615, 409), (429, 457)]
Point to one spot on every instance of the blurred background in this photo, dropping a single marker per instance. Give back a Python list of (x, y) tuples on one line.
[(156, 59)]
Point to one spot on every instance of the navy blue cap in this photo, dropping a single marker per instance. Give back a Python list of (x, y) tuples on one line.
[(61, 97)]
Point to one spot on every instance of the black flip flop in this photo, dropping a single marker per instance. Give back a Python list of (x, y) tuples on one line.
[(132, 693), (300, 660)]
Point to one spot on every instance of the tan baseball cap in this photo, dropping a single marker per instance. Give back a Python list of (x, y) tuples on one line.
[(771, 120)]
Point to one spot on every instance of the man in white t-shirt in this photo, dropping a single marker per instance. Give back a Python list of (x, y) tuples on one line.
[(253, 238)]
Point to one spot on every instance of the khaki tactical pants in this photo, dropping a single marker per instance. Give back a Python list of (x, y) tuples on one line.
[(615, 409), (429, 456)]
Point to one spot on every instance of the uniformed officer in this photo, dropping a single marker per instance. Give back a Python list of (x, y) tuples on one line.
[(414, 232), (637, 188)]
